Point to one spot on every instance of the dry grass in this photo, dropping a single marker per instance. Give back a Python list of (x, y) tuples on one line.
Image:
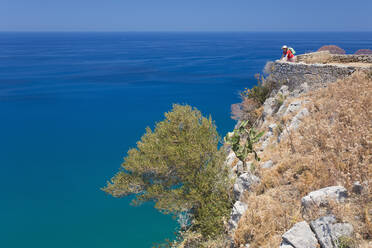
[(317, 58), (268, 215), (332, 147)]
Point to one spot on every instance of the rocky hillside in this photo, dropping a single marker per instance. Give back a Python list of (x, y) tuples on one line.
[(312, 186)]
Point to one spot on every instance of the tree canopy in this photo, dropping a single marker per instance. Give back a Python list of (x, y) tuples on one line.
[(179, 167)]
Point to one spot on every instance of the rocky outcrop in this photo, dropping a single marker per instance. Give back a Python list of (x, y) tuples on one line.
[(328, 231), (322, 197), (299, 236), (283, 112), (297, 119), (244, 183), (267, 164), (325, 231), (237, 212)]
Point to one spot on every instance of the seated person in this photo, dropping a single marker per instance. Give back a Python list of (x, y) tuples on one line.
[(287, 54)]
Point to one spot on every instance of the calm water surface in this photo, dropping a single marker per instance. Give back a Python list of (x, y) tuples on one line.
[(71, 104)]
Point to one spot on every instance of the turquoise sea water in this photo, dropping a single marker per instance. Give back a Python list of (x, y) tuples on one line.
[(72, 104)]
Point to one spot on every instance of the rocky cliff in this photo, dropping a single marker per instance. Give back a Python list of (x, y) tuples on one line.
[(312, 186)]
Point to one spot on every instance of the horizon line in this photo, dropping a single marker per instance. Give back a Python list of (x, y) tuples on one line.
[(184, 31)]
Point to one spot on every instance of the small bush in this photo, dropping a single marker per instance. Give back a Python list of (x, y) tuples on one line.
[(332, 49), (246, 110), (259, 92), (345, 242), (250, 109), (364, 52)]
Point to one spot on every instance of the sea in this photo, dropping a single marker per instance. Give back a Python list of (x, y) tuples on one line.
[(72, 104)]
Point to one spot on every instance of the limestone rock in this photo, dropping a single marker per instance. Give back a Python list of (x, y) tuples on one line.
[(328, 231), (267, 164), (285, 245), (282, 108), (284, 91), (293, 107), (237, 212), (268, 135), (300, 236), (230, 158), (243, 183), (323, 196), (296, 121), (269, 107), (303, 88)]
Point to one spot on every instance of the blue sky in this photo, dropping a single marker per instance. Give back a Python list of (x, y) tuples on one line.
[(186, 15)]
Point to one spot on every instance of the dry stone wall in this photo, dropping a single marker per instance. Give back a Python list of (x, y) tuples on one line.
[(315, 75)]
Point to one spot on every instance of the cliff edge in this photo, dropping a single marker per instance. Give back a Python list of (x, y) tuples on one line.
[(312, 187)]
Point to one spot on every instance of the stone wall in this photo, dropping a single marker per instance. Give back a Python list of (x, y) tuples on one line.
[(326, 57), (314, 75), (351, 58)]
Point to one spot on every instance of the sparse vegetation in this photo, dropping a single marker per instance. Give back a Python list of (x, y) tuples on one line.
[(345, 242), (318, 58), (259, 92), (332, 49), (332, 147), (179, 167), (250, 109)]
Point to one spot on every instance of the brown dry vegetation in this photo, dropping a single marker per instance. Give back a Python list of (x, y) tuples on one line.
[(364, 52), (332, 147), (332, 49), (319, 57), (248, 109)]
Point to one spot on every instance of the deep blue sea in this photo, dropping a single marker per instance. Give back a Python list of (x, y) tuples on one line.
[(72, 104)]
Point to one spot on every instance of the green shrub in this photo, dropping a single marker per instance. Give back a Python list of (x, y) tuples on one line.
[(179, 167), (345, 242), (259, 92)]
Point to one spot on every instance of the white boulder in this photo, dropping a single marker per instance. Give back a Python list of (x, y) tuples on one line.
[(243, 183), (300, 236), (322, 197), (237, 212), (328, 231)]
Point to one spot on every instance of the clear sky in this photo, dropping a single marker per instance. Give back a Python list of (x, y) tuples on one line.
[(185, 15)]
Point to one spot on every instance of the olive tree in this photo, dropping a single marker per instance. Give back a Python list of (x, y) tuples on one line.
[(180, 168)]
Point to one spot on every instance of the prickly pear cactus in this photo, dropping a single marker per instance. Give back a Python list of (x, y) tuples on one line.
[(242, 148)]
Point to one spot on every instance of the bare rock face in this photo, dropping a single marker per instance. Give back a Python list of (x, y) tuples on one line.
[(328, 231), (285, 245), (293, 107), (269, 107), (268, 135), (267, 164), (322, 197), (303, 88), (230, 158), (297, 119), (284, 91), (243, 183), (300, 236), (237, 212)]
